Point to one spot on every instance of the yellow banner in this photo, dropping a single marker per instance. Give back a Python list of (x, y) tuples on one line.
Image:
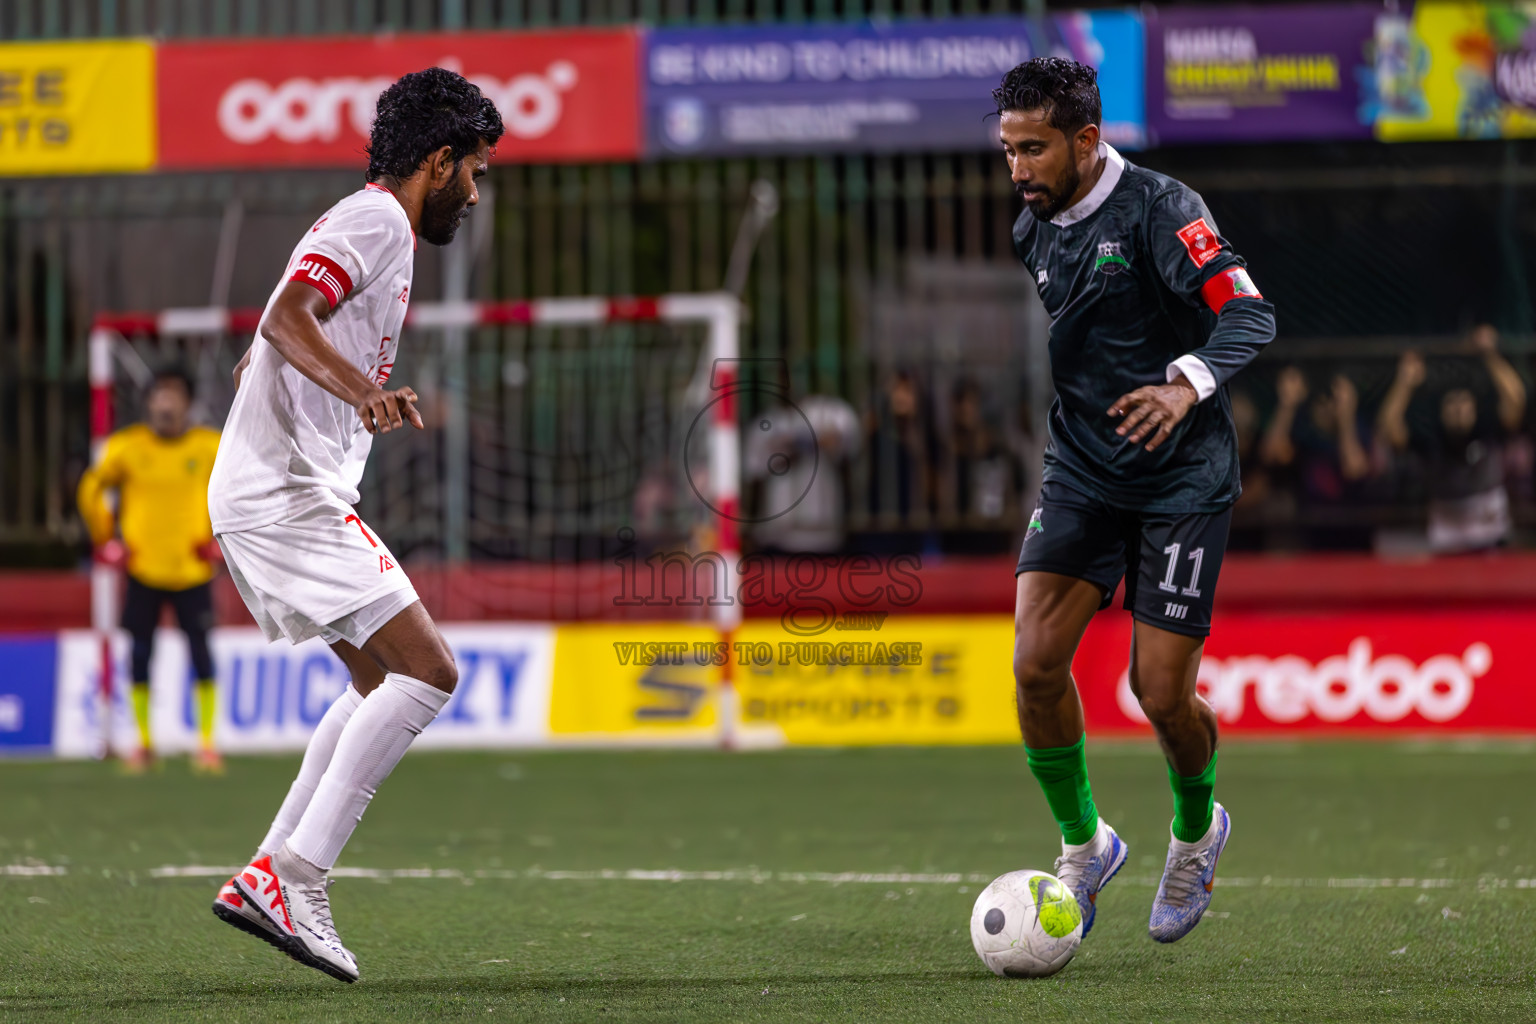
[(1457, 71), (77, 107), (912, 680), (633, 683)]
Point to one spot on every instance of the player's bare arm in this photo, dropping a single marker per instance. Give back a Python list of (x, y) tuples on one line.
[(293, 328), (244, 362), (1154, 410)]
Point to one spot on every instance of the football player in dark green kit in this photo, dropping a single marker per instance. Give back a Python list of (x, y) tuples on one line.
[(1151, 314)]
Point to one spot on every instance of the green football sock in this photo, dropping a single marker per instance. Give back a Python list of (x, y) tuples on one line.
[(1194, 802), (1063, 774)]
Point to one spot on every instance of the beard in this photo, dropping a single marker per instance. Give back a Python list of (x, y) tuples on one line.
[(442, 212), (1055, 199)]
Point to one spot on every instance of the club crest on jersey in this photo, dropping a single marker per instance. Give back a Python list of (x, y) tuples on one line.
[(1110, 259), (1200, 241)]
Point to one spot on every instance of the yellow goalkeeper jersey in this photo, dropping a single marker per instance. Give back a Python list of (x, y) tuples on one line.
[(162, 502)]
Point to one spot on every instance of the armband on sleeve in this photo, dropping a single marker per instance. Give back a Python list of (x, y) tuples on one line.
[(1229, 284), (324, 274)]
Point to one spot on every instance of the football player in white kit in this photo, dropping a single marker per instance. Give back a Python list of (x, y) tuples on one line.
[(310, 396)]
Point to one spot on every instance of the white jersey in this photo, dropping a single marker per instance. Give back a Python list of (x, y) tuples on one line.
[(288, 444)]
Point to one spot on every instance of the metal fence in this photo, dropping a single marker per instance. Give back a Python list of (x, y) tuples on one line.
[(885, 281)]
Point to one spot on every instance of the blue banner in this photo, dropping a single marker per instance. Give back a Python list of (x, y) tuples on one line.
[(906, 86), (27, 693)]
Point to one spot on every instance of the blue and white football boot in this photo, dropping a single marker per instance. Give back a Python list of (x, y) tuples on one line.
[(1087, 869), (1188, 878)]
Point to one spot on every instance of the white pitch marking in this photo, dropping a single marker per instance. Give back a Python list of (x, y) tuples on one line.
[(759, 877)]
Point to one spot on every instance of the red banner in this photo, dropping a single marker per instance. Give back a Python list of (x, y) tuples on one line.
[(1350, 672), (564, 96)]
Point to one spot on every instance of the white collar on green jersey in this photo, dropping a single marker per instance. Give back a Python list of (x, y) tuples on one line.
[(1114, 166)]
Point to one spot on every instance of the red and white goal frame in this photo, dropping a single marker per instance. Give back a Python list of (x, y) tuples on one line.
[(719, 312)]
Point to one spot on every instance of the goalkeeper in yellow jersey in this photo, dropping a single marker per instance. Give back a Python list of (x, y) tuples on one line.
[(160, 471)]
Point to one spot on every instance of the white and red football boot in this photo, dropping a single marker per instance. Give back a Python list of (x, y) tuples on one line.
[(233, 909), (301, 915)]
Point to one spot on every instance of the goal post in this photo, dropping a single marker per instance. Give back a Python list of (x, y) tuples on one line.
[(719, 314)]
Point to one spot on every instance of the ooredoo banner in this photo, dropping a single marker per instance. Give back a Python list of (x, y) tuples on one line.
[(1355, 672), (564, 96), (877, 86)]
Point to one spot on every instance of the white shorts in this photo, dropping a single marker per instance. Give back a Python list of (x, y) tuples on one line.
[(320, 573)]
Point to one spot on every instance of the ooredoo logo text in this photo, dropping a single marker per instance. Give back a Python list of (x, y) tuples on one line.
[(1288, 688), (301, 110)]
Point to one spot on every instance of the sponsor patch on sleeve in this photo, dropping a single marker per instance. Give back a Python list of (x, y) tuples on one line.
[(1200, 241), (1228, 285), (325, 274)]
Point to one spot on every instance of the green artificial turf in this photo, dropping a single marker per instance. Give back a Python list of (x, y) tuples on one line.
[(500, 933)]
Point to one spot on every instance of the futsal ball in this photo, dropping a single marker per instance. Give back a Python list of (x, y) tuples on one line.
[(1026, 924)]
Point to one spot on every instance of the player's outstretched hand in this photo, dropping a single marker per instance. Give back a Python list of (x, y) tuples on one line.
[(382, 411), (1154, 411)]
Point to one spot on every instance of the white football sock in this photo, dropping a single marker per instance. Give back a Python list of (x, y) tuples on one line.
[(370, 746), (317, 758), (1100, 837)]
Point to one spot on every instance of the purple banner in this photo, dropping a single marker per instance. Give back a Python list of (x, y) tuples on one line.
[(1249, 74)]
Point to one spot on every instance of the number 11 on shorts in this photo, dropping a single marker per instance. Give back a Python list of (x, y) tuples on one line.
[(1196, 556)]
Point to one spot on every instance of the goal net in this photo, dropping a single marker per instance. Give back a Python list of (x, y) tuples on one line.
[(562, 436)]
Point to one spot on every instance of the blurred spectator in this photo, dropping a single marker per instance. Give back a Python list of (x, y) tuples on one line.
[(985, 477), (1463, 449), (798, 454), (1247, 532), (1320, 455), (899, 438)]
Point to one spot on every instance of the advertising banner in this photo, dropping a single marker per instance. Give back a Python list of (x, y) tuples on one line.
[(1243, 74), (1377, 672), (271, 696), (887, 86), (1457, 71), (77, 107), (635, 684), (909, 680), (26, 693), (564, 96)]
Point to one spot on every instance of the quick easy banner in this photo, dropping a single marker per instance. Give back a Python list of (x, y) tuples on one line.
[(564, 96), (271, 696), (1247, 74), (884, 86), (77, 107), (1456, 71)]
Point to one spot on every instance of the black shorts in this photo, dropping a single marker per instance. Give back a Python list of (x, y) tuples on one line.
[(142, 604), (1169, 560)]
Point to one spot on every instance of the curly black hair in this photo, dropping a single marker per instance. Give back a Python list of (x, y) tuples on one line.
[(421, 113), (1067, 91)]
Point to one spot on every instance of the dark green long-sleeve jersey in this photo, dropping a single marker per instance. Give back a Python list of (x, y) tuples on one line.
[(1135, 276)]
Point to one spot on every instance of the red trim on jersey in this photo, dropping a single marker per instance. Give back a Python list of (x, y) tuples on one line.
[(1226, 286), (324, 274)]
